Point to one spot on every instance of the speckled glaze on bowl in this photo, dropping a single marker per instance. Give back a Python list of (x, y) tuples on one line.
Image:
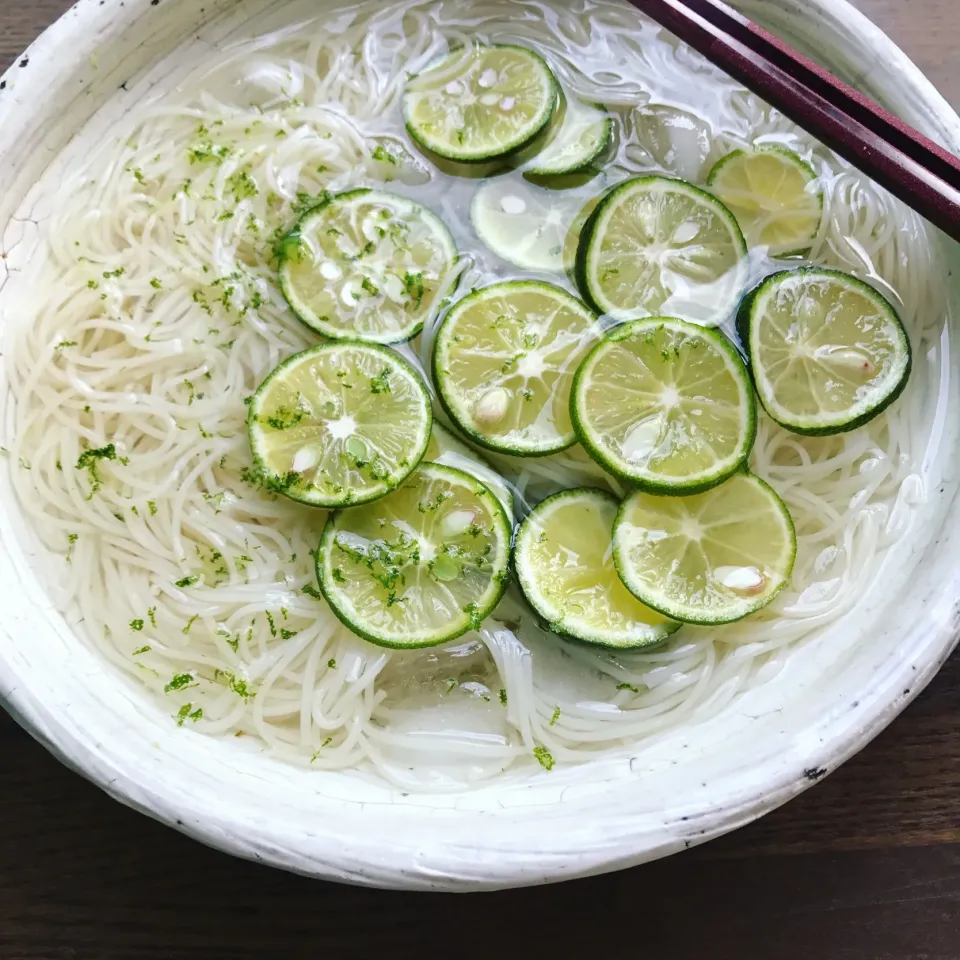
[(651, 800)]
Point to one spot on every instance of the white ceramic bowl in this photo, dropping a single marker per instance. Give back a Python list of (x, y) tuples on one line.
[(605, 815)]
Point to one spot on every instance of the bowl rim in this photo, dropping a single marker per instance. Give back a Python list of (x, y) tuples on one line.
[(61, 49)]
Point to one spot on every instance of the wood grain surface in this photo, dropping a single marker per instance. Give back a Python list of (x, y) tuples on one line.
[(866, 866)]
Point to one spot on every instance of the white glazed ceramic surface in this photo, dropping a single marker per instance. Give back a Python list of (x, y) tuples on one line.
[(649, 801)]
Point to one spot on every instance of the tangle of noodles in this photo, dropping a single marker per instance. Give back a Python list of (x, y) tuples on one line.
[(155, 313)]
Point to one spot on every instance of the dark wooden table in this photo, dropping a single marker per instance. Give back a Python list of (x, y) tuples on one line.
[(866, 866)]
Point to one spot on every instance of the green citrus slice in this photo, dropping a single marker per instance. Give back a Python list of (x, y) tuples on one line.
[(504, 360), (339, 424), (774, 195), (827, 351), (666, 405), (522, 223), (480, 102), (658, 246), (581, 135), (421, 566), (446, 449), (565, 567), (367, 265), (711, 558)]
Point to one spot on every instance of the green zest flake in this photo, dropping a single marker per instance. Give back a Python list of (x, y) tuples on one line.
[(63, 344), (89, 459), (332, 664), (72, 538), (187, 582), (239, 687), (503, 697), (190, 623), (136, 625), (273, 626), (544, 758), (381, 382), (142, 650), (413, 286), (152, 615), (242, 185), (207, 152), (288, 634), (184, 714), (179, 682), (628, 686), (288, 247), (555, 717), (311, 591), (155, 283), (114, 274), (284, 419), (326, 743), (381, 154)]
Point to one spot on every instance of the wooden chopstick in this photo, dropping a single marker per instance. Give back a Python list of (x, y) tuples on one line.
[(911, 166)]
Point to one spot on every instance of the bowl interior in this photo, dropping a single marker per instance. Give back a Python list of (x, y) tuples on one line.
[(649, 800)]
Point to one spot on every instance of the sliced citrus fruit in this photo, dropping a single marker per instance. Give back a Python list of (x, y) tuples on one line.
[(657, 246), (367, 265), (421, 566), (666, 405), (564, 562), (504, 360), (480, 102), (774, 195), (711, 558), (827, 351), (339, 424)]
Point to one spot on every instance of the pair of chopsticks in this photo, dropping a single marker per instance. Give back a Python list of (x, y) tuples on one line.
[(912, 167)]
